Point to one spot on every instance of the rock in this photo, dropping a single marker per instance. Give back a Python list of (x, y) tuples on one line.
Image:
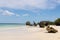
[(28, 23), (35, 24), (51, 30), (41, 25), (31, 25)]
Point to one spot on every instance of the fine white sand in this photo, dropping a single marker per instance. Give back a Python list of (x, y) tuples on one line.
[(28, 33)]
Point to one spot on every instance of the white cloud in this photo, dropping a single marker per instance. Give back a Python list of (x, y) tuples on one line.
[(29, 4), (25, 15), (7, 13)]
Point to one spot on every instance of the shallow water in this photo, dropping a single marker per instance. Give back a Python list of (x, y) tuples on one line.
[(4, 25)]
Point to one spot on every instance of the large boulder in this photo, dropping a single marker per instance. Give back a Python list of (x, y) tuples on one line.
[(51, 30), (42, 24), (28, 23)]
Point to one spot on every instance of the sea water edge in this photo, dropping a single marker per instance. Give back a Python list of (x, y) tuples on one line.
[(5, 25)]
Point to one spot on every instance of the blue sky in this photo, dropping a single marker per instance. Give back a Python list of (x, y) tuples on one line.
[(20, 11)]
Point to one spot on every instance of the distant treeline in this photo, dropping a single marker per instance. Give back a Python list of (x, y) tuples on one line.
[(56, 22)]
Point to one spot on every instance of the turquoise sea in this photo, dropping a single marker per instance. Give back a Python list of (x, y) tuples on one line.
[(11, 25)]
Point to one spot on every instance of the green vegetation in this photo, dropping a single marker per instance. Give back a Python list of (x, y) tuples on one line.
[(42, 24), (57, 21)]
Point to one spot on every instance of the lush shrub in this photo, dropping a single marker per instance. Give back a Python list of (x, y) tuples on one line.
[(45, 23), (57, 21), (51, 23)]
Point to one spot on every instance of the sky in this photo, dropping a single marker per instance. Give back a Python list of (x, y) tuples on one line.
[(20, 11)]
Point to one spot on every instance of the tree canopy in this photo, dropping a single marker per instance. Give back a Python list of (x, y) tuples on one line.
[(57, 21)]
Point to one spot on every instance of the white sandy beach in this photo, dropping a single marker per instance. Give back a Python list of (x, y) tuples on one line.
[(28, 33)]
